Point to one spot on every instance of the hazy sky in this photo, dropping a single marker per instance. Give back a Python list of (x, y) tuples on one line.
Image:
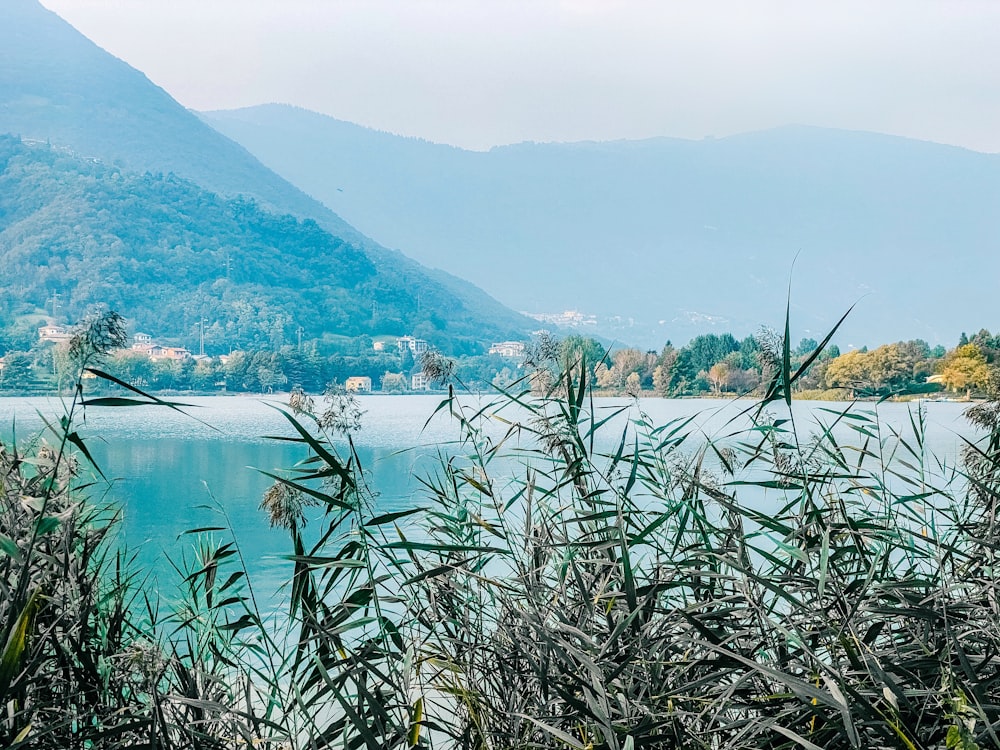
[(476, 73)]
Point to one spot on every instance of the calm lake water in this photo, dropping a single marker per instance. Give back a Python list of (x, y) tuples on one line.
[(172, 473)]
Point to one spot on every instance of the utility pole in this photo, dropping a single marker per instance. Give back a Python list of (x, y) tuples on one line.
[(299, 331), (201, 349)]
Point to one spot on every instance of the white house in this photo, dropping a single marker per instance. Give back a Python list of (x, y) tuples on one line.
[(508, 349), (417, 346), (54, 333)]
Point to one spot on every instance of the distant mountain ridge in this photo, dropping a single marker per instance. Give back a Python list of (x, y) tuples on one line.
[(57, 86), (683, 236)]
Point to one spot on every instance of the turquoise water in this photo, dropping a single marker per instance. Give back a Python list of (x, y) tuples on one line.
[(172, 473)]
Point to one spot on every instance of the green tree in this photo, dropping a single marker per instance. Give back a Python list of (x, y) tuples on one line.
[(574, 348), (165, 374), (663, 370), (696, 359), (393, 382), (135, 368), (806, 347), (407, 362), (504, 379), (17, 371), (236, 371), (206, 374), (710, 348), (270, 377), (750, 350), (185, 374)]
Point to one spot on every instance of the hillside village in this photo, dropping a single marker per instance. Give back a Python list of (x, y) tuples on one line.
[(148, 359)]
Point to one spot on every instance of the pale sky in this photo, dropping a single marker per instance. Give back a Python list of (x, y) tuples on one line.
[(477, 73)]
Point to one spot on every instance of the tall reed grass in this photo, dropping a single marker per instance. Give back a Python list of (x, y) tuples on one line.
[(778, 585)]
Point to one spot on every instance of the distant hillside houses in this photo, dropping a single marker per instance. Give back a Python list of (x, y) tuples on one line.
[(358, 384), (416, 346), (566, 319), (144, 344), (508, 349), (54, 333)]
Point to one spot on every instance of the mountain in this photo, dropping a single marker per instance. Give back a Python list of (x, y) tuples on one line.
[(170, 255), (56, 85), (681, 236), (58, 88)]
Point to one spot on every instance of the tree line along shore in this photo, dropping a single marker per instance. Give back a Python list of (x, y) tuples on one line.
[(708, 365)]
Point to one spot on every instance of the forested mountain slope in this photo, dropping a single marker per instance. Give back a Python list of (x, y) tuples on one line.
[(57, 86), (168, 254)]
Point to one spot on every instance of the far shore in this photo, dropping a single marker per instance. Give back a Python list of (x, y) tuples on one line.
[(598, 393)]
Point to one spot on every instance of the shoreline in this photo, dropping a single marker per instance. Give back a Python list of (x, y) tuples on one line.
[(642, 395)]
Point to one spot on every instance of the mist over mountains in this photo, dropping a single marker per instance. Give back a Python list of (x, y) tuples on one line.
[(657, 239), (680, 236), (58, 88)]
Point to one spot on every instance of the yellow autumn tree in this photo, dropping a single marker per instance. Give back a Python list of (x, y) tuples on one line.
[(964, 368), (717, 376), (849, 370)]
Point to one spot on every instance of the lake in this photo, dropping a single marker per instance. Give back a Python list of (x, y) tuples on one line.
[(172, 473)]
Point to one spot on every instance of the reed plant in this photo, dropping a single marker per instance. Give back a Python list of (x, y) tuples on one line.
[(762, 588), (571, 575), (91, 657)]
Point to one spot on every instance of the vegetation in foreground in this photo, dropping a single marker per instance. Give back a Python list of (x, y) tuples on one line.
[(780, 586)]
